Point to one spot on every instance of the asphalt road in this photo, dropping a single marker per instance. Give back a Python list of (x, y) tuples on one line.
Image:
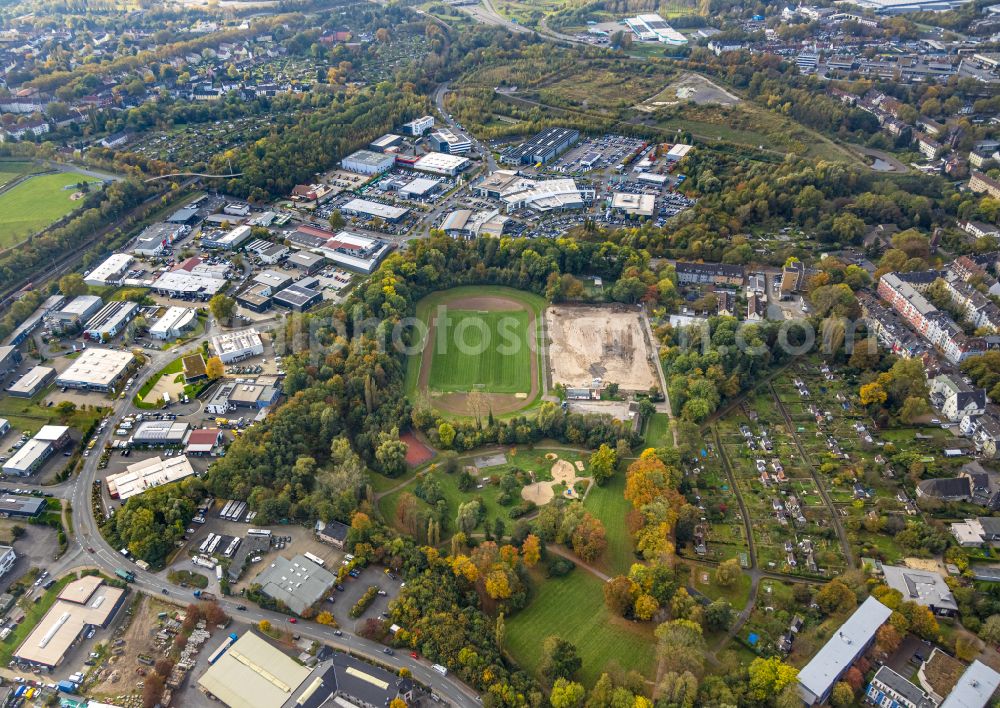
[(87, 535)]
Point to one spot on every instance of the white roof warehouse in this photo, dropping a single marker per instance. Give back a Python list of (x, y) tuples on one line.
[(148, 474), (97, 370), (374, 210)]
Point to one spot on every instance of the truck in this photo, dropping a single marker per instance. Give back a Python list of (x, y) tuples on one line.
[(222, 422), (66, 686), (440, 669), (230, 640), (166, 399), (127, 575), (204, 595)]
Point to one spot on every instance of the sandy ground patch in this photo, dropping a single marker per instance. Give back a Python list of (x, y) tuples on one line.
[(539, 492), (579, 465), (551, 456), (563, 472), (121, 671), (928, 565), (166, 384), (599, 342), (690, 87)]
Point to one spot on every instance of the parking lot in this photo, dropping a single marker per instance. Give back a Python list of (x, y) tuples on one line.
[(606, 152)]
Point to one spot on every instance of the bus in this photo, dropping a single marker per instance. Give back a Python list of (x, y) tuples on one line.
[(315, 559)]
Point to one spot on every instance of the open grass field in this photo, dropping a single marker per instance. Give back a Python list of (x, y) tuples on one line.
[(12, 170), (488, 352), (34, 204), (608, 504), (658, 431), (572, 607)]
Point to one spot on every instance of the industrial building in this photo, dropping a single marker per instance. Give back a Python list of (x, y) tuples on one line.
[(32, 382), (203, 441), (79, 309), (10, 359), (110, 272), (419, 126), (366, 162), (157, 238), (83, 604), (354, 251), (385, 143), (298, 297), (653, 28), (236, 346), (227, 240), (634, 205), (110, 320), (55, 435), (817, 678), (97, 370), (268, 253), (154, 472), (7, 559), (297, 583), (29, 458), (159, 433), (441, 163), (443, 140), (15, 507), (309, 263), (374, 210), (255, 299), (898, 7), (517, 192), (542, 148), (188, 285), (264, 393), (420, 187), (174, 322), (464, 223), (253, 674)]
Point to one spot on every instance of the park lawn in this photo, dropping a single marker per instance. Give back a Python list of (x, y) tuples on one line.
[(488, 351), (380, 483), (658, 431), (534, 460), (608, 504), (34, 204), (12, 170), (573, 608), (737, 595)]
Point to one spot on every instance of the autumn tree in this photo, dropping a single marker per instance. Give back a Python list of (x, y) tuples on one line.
[(531, 550), (835, 596), (566, 694), (72, 285), (222, 307), (560, 659), (214, 368), (768, 677), (681, 646), (603, 462), (842, 696), (619, 594), (728, 573), (589, 538)]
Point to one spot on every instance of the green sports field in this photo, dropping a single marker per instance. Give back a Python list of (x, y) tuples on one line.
[(485, 351), (35, 203)]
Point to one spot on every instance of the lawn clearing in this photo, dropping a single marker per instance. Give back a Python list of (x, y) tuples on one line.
[(608, 504), (35, 203), (658, 430), (572, 607), (485, 351)]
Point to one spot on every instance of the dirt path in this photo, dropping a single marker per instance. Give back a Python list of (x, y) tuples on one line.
[(456, 403)]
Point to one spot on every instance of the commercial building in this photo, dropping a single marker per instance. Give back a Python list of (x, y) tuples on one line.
[(542, 148), (678, 152), (419, 126), (83, 604), (29, 458), (271, 281), (55, 435), (517, 192), (154, 472), (110, 320), (256, 298), (887, 688), (420, 187), (97, 370), (253, 674), (332, 532), (975, 689), (236, 346), (32, 382), (21, 507), (925, 588), (374, 210), (653, 28), (79, 309), (297, 583), (155, 239), (898, 7), (817, 678), (346, 681), (298, 297), (634, 204), (174, 322), (110, 272), (366, 162), (441, 163), (230, 396), (385, 143), (443, 140), (309, 263), (227, 240), (160, 433), (203, 441), (188, 285), (268, 253)]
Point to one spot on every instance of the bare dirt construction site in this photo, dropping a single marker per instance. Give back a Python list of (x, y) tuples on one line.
[(608, 343), (690, 87)]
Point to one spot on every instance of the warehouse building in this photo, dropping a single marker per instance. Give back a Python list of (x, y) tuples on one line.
[(79, 309), (542, 148), (155, 239), (517, 192), (97, 370), (55, 435), (256, 298), (15, 507), (203, 441), (231, 395), (227, 240), (32, 382), (174, 322), (83, 604), (253, 674), (440, 163), (384, 143), (268, 253), (271, 281), (29, 458), (160, 433), (419, 126), (297, 583), (188, 285), (367, 209), (366, 162), (148, 474), (236, 346), (634, 205), (10, 359), (298, 297), (420, 187), (443, 140), (354, 251), (7, 559), (308, 263), (110, 272), (110, 320), (653, 28)]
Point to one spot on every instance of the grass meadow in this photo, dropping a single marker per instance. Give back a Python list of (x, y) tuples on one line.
[(34, 204), (496, 356)]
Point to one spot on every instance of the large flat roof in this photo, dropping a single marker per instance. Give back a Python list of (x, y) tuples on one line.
[(110, 268), (236, 341), (299, 583), (83, 602), (253, 674), (97, 367), (383, 211), (975, 688), (148, 474), (31, 379)]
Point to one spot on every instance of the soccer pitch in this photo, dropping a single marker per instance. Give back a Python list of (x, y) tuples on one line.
[(481, 350), (35, 203)]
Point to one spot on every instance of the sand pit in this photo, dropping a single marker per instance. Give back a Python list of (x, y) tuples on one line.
[(599, 342), (579, 465), (551, 456), (563, 472)]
